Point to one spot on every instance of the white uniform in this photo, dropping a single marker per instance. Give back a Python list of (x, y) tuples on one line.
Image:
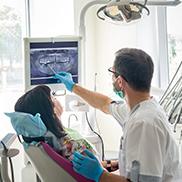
[(148, 151)]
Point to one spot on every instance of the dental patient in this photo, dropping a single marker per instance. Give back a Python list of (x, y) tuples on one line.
[(40, 100)]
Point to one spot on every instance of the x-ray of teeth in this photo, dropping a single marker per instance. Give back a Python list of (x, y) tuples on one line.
[(60, 60), (48, 58)]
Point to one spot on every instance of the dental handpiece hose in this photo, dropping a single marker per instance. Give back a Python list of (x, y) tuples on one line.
[(95, 83), (95, 90)]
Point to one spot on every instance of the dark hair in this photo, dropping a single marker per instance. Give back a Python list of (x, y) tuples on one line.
[(136, 66), (38, 100)]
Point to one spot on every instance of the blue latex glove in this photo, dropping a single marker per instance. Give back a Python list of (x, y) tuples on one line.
[(87, 166), (66, 79)]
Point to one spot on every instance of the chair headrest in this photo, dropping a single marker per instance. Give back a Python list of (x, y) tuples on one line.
[(32, 129), (27, 125)]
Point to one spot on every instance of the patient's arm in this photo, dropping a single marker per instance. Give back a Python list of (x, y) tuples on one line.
[(113, 165)]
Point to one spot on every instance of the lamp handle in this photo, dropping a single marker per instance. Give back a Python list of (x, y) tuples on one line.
[(143, 6), (99, 10)]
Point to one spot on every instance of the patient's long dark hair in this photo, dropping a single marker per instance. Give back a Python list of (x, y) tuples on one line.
[(38, 100)]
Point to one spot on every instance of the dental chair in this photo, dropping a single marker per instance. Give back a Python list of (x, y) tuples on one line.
[(50, 166)]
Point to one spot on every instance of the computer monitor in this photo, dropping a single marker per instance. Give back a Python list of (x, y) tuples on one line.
[(46, 56)]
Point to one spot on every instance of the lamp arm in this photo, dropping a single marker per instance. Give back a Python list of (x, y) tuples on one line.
[(82, 29)]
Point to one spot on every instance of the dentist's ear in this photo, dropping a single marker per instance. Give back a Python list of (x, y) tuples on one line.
[(120, 81)]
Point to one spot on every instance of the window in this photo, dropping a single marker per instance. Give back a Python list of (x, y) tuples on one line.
[(174, 31), (151, 37), (11, 64), (51, 18)]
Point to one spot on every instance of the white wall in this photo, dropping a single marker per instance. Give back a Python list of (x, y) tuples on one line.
[(109, 39), (102, 41)]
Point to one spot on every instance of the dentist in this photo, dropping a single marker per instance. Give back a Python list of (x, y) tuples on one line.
[(148, 151)]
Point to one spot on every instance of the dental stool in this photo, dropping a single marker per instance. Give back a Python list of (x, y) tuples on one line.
[(50, 166)]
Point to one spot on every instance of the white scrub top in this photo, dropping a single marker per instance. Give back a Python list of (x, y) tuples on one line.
[(148, 151)]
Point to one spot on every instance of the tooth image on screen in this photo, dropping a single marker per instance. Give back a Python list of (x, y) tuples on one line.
[(59, 60)]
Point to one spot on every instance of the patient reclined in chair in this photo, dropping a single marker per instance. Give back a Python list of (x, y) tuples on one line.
[(49, 165)]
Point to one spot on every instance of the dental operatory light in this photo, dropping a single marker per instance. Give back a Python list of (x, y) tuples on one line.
[(125, 11), (122, 11)]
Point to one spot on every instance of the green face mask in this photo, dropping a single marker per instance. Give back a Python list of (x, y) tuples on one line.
[(119, 93)]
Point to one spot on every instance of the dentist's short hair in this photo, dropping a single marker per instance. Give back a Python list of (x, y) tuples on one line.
[(136, 66)]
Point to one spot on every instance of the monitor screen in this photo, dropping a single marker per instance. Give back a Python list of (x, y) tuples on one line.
[(46, 56)]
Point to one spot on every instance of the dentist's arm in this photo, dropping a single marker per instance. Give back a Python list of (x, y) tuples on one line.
[(91, 169), (110, 177), (94, 99)]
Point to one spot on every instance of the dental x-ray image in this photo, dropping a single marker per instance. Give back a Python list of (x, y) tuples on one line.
[(47, 58)]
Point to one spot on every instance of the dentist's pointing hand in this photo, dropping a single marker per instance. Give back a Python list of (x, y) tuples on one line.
[(66, 79)]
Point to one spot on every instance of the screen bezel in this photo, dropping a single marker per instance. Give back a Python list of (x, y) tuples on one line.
[(27, 75)]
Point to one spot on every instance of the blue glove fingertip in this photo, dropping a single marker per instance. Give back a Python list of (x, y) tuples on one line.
[(87, 151), (79, 156), (76, 166), (90, 154), (75, 153), (74, 163), (75, 169)]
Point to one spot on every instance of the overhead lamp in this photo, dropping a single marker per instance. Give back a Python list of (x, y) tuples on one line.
[(122, 11), (125, 11)]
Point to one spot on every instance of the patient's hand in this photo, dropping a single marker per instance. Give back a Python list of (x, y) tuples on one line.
[(83, 153)]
